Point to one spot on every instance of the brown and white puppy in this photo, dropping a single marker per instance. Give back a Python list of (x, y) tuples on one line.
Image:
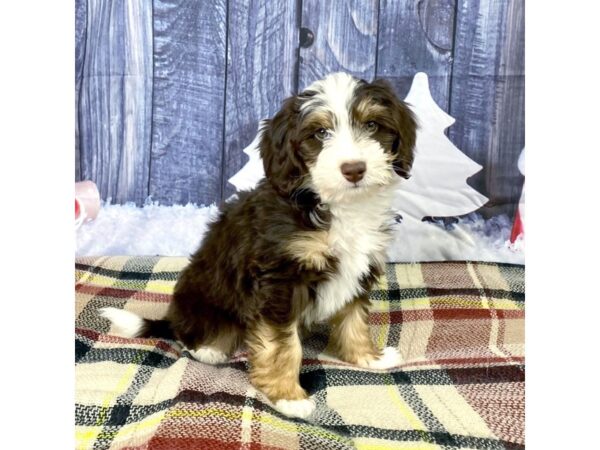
[(304, 246)]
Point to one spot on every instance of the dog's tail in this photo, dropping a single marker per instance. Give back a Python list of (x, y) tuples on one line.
[(128, 324)]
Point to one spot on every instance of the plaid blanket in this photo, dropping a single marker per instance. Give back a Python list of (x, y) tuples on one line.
[(458, 325)]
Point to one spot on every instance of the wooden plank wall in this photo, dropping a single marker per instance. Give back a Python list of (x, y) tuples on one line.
[(417, 37), (488, 96), (187, 113), (261, 72), (169, 92), (80, 36), (115, 98), (345, 39)]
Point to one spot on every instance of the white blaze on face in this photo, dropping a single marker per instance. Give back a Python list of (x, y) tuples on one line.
[(345, 143)]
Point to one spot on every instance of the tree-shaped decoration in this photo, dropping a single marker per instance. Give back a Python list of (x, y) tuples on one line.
[(438, 185), (249, 175)]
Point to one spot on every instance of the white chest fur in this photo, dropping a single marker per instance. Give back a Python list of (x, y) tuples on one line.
[(358, 239)]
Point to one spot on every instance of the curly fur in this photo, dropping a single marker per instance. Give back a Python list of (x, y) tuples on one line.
[(304, 246)]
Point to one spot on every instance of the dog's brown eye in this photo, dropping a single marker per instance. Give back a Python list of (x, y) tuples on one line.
[(372, 126), (322, 134)]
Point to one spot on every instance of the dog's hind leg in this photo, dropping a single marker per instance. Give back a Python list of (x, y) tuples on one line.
[(208, 335), (218, 349)]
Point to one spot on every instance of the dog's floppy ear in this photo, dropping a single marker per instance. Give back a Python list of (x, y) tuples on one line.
[(284, 168), (404, 123)]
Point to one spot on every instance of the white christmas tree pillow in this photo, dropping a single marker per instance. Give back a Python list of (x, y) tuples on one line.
[(437, 186)]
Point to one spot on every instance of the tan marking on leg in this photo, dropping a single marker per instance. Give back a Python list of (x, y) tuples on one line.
[(350, 338), (275, 356), (311, 248)]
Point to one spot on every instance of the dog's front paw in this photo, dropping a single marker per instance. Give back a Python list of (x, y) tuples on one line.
[(390, 357), (296, 408)]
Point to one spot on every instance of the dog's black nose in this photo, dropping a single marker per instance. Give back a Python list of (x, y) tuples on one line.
[(354, 171)]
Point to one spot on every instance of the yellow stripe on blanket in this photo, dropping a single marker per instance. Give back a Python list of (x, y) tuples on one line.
[(404, 409), (409, 275), (263, 418), (383, 444), (154, 286), (86, 277), (160, 287), (86, 435), (426, 303), (122, 384)]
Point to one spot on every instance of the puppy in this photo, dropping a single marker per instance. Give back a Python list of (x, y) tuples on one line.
[(304, 246)]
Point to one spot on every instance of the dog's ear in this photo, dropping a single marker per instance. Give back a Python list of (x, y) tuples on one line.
[(284, 168), (404, 123)]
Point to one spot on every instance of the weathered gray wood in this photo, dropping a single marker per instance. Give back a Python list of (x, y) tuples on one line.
[(488, 85), (80, 30), (206, 108), (345, 39), (417, 36), (261, 71), (189, 83), (115, 98)]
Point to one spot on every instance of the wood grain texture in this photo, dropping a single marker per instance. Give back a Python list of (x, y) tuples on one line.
[(488, 86), (345, 39), (115, 98), (261, 72), (417, 36), (189, 95), (169, 92), (80, 35)]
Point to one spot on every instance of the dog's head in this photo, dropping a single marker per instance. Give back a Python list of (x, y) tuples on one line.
[(340, 138)]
